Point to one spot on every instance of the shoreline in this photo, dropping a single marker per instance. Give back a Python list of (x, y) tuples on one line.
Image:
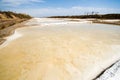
[(8, 39), (107, 21), (10, 31), (94, 20)]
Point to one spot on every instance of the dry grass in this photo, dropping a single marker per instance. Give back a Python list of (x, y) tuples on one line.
[(6, 23), (8, 26)]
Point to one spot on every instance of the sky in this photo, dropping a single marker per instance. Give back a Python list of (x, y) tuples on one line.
[(43, 8)]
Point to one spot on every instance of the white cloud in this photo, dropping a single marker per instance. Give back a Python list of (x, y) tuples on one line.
[(18, 2), (66, 11)]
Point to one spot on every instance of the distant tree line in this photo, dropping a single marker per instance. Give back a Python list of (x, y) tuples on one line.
[(10, 14), (97, 16)]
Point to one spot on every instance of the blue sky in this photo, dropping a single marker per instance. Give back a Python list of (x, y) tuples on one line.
[(40, 8)]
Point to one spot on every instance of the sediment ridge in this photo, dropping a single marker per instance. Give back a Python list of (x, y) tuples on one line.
[(8, 21)]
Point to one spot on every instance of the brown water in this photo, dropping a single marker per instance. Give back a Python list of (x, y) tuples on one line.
[(49, 50)]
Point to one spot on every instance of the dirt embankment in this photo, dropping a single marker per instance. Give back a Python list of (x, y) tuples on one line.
[(7, 20), (10, 28), (103, 21)]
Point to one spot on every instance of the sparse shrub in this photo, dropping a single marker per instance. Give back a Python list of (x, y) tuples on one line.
[(9, 14), (106, 16)]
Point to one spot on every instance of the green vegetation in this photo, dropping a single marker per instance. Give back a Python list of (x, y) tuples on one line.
[(97, 16)]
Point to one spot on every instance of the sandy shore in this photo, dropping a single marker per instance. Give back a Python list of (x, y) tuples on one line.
[(56, 50)]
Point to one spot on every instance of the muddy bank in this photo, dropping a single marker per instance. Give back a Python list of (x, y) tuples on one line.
[(104, 21), (2, 41), (7, 28)]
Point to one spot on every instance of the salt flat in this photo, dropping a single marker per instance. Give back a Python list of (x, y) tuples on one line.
[(59, 49)]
